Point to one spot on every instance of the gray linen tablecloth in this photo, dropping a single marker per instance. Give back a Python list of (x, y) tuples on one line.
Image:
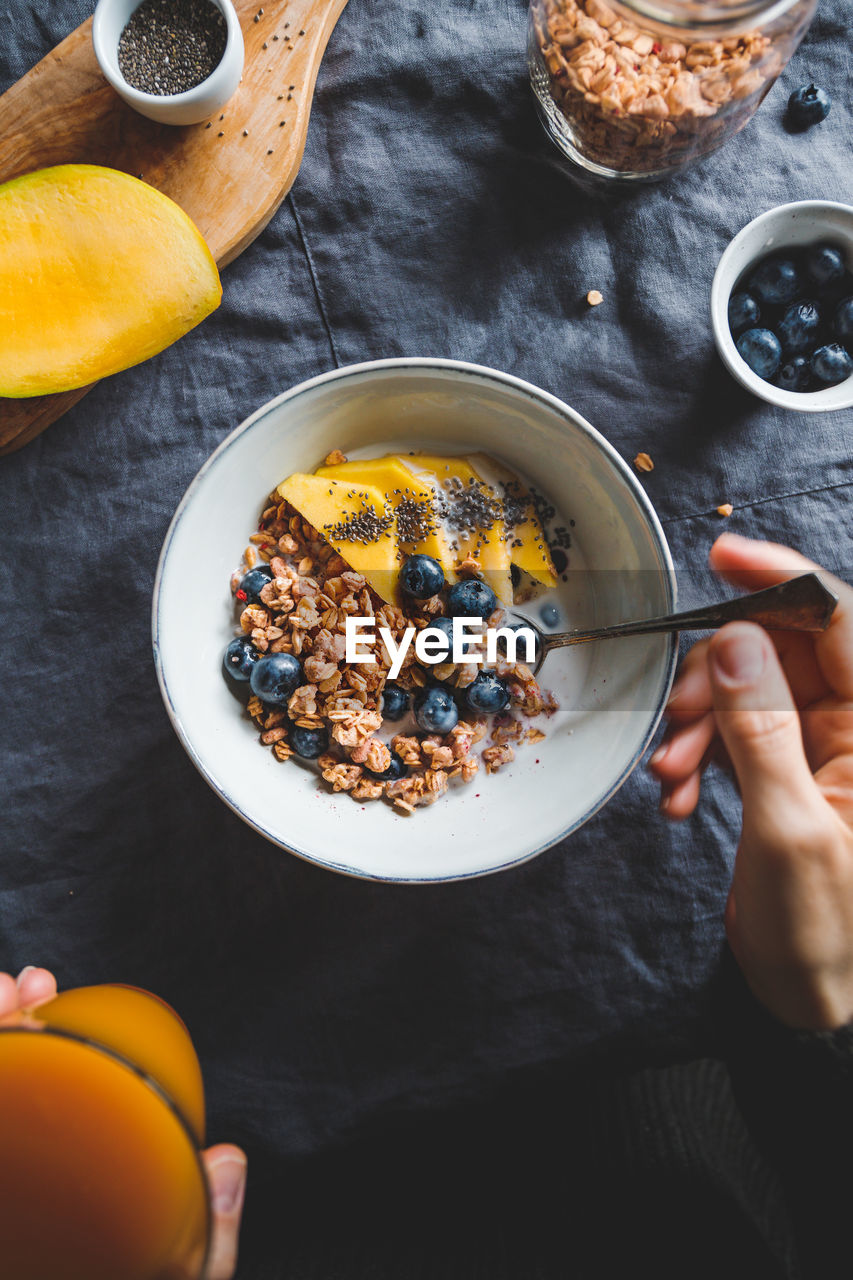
[(430, 217)]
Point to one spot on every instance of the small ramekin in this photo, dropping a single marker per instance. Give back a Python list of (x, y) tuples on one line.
[(191, 107), (787, 226)]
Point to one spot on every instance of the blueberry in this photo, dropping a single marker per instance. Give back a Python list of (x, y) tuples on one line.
[(421, 577), (395, 701), (794, 374), (761, 350), (797, 330), (808, 105), (240, 657), (487, 694), (550, 615), (435, 710), (275, 676), (445, 625), (471, 599), (308, 743), (832, 364), (253, 583), (843, 324), (396, 769), (775, 281), (744, 312), (824, 265)]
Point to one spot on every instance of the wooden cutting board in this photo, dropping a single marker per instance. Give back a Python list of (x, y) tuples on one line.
[(228, 181)]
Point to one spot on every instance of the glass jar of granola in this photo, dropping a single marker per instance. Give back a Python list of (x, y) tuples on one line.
[(635, 89)]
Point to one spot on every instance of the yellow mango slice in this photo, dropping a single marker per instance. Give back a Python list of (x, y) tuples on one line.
[(488, 546), (354, 520), (98, 271), (399, 486), (533, 555)]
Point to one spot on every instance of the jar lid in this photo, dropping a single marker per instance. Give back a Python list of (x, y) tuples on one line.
[(708, 14)]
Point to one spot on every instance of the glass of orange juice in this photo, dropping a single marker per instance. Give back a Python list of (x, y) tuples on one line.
[(101, 1126)]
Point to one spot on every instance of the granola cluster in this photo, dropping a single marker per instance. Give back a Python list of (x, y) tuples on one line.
[(635, 103), (302, 611)]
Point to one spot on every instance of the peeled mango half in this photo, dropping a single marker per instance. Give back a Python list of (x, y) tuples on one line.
[(98, 271)]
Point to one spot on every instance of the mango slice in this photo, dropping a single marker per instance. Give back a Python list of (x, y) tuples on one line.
[(98, 271), (532, 556), (488, 546), (353, 518)]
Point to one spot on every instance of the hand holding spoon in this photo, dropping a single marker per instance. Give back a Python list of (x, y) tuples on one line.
[(801, 604)]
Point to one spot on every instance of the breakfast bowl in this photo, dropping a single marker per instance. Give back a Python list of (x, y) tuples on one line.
[(787, 229), (614, 564), (194, 104)]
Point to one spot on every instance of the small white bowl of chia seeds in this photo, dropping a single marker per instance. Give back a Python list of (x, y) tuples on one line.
[(174, 61)]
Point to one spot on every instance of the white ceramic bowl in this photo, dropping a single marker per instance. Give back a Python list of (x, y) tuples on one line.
[(197, 104), (612, 694), (789, 225)]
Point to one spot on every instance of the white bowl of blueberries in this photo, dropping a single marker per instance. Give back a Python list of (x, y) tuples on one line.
[(782, 306)]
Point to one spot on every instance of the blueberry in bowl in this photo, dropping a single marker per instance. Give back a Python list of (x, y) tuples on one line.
[(761, 350), (436, 710), (798, 329), (832, 364), (275, 676), (795, 374), (421, 577), (395, 701), (825, 265), (239, 659), (308, 744), (445, 625), (471, 599), (396, 769), (744, 312), (843, 321), (487, 694), (775, 281), (253, 583)]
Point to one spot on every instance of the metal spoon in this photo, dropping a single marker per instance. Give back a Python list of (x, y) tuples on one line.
[(801, 604)]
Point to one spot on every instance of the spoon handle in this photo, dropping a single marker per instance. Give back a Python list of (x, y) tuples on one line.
[(800, 604)]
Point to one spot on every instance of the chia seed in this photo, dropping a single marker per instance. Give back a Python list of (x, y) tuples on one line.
[(544, 510), (467, 508), (170, 46), (415, 520), (363, 526), (516, 504)]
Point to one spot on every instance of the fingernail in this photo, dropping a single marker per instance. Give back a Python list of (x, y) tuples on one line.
[(665, 804), (735, 537), (659, 754), (228, 1177), (676, 693), (28, 968), (739, 655)]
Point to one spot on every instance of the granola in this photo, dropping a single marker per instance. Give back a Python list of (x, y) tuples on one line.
[(638, 102), (302, 610)]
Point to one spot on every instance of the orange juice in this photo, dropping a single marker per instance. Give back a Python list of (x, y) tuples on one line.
[(101, 1117)]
